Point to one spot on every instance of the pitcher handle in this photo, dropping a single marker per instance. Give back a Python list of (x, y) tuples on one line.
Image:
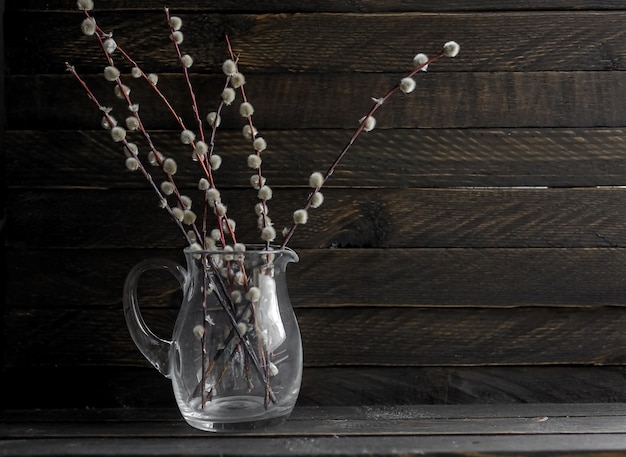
[(153, 348)]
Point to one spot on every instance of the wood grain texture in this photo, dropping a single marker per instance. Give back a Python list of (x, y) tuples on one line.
[(503, 41), (143, 387), (464, 253), (351, 336), (387, 158), (325, 100), (402, 421), (594, 444), (460, 385), (92, 279), (594, 430), (369, 218)]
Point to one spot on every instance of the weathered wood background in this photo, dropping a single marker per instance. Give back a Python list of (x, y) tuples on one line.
[(471, 249)]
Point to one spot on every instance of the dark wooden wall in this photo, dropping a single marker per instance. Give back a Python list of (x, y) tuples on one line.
[(471, 248)]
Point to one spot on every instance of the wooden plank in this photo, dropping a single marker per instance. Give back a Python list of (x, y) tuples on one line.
[(384, 158), (319, 433), (350, 336), (504, 41), (369, 218), (370, 425), (315, 6), (93, 279), (395, 386), (600, 445), (143, 387), (413, 336), (338, 100), (325, 413)]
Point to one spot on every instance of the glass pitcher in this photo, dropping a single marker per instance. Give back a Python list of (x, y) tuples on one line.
[(235, 357)]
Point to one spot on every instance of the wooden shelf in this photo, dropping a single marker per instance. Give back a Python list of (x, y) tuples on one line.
[(519, 429)]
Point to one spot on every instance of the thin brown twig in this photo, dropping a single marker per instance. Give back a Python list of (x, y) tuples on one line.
[(361, 127)]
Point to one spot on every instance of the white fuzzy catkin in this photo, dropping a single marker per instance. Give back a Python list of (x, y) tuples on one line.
[(189, 217), (111, 73), (109, 45), (118, 134), (259, 144), (229, 224), (88, 26), (420, 59), (260, 209), (227, 249), (186, 60), (201, 148), (268, 233), (153, 78), (215, 161), (451, 49), (254, 161), (246, 109), (178, 213), (122, 91), (317, 199), (265, 193), (132, 123), (86, 5), (185, 201), (242, 328), (195, 247), (248, 132), (300, 216), (316, 180), (178, 37), (210, 244), (213, 196), (135, 72), (132, 163), (369, 122), (155, 158), (256, 181), (198, 331), (228, 95), (407, 85), (169, 166), (167, 188), (237, 80), (216, 234), (108, 122), (214, 119), (176, 23), (229, 67), (220, 209), (203, 184), (187, 136), (253, 294)]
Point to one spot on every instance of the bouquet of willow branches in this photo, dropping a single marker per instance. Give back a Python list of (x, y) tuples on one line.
[(201, 138), (201, 234)]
